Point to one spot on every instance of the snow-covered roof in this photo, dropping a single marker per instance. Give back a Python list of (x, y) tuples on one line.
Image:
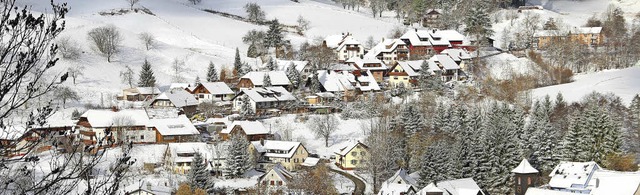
[(566, 174), (348, 40), (431, 188), (343, 81), (282, 173), (249, 127), (277, 149), (174, 126), (277, 78), (432, 37), (614, 182), (449, 35), (402, 177), (180, 85), (106, 118), (395, 189), (352, 144), (385, 46), (466, 186), (541, 191), (369, 60), (148, 188), (587, 30), (268, 94), (148, 90), (524, 167), (282, 65), (189, 148), (178, 97), (457, 54), (224, 120), (548, 33), (333, 41), (310, 162), (408, 69), (12, 132), (445, 61), (217, 88)]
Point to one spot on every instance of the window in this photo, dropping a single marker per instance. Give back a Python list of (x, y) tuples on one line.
[(519, 180), (271, 182), (200, 96), (264, 182), (295, 160), (395, 78), (362, 161), (354, 153), (528, 180), (354, 162), (279, 183), (362, 153), (142, 137)]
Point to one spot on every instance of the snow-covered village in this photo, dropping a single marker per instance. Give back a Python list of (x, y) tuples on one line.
[(375, 97)]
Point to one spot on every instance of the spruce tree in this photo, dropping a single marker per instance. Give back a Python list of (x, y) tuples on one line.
[(198, 176), (412, 120), (266, 81), (271, 65), (436, 163), (237, 160), (274, 37), (246, 109), (315, 83), (146, 76), (293, 75), (212, 73), (237, 64), (197, 81), (252, 52)]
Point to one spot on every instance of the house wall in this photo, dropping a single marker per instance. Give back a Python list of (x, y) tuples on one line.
[(245, 83), (352, 160), (237, 104), (349, 52), (397, 76), (272, 177), (140, 136)]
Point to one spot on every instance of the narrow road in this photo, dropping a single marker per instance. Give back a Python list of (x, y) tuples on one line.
[(360, 186)]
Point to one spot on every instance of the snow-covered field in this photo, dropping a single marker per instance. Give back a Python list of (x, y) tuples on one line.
[(624, 83)]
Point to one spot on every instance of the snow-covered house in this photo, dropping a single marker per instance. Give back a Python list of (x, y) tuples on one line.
[(147, 188), (252, 130), (590, 36), (460, 55), (139, 93), (352, 155), (344, 46), (302, 67), (348, 84), (449, 68), (276, 177), (389, 51), (399, 184), (12, 140), (176, 98), (453, 187), (179, 156), (525, 176), (407, 72), (431, 17), (263, 99), (115, 126), (170, 130), (588, 178), (377, 67), (425, 42), (212, 92), (287, 153), (256, 79)]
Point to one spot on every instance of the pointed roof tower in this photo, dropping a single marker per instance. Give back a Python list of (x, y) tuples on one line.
[(524, 167)]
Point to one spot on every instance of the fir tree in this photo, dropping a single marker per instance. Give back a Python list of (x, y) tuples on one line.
[(198, 175), (293, 75), (412, 119), (246, 109), (212, 73), (433, 82), (197, 81), (146, 76), (244, 68), (271, 65), (237, 161), (252, 51), (478, 22), (237, 64), (315, 83), (266, 81), (436, 163), (274, 37)]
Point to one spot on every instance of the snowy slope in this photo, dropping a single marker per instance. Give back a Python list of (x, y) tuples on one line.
[(624, 83)]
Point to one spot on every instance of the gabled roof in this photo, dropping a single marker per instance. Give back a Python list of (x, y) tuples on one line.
[(587, 30), (369, 60), (180, 85), (189, 147), (524, 167), (12, 132), (148, 90), (282, 65), (344, 151), (395, 189), (267, 94), (460, 186), (566, 174), (446, 62), (457, 54), (249, 127), (277, 78), (178, 97), (217, 88), (310, 161), (148, 188), (385, 46), (402, 176), (267, 146), (106, 118), (344, 81), (430, 188), (281, 172), (174, 126), (348, 40), (615, 182)]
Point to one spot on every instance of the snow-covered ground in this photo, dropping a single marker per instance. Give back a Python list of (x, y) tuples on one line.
[(343, 184), (505, 65), (624, 83)]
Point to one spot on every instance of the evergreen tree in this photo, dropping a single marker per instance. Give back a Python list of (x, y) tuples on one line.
[(274, 37), (212, 73), (197, 81), (293, 75), (146, 76), (252, 51), (237, 64), (433, 82), (198, 175), (266, 80), (238, 161), (592, 136), (412, 119), (436, 163), (478, 22), (542, 138), (246, 109), (271, 64), (315, 83)]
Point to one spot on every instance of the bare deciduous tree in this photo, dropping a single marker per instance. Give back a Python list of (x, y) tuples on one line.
[(303, 25), (254, 12), (177, 68), (323, 126), (147, 39), (128, 76), (106, 39), (68, 48), (195, 1), (75, 71), (132, 3), (64, 94)]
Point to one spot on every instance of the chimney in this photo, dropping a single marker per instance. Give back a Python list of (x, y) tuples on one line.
[(434, 30), (262, 142), (148, 186), (415, 29), (114, 109), (597, 182)]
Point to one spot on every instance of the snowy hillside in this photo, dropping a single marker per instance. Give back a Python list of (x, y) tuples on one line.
[(185, 32), (624, 83)]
